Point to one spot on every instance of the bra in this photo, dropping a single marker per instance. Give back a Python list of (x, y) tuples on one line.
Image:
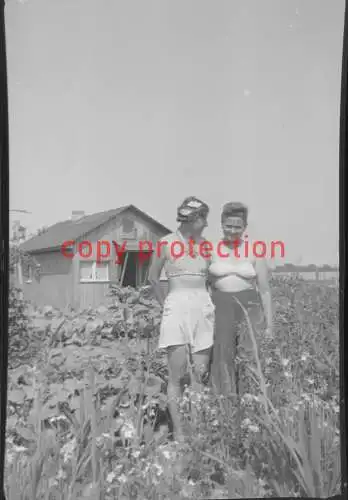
[(232, 265), (244, 269), (179, 263)]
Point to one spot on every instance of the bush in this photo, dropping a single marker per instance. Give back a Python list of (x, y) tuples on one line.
[(18, 325), (90, 419)]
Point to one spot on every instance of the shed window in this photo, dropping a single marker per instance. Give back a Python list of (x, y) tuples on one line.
[(128, 225), (129, 230), (94, 271), (86, 271), (102, 271)]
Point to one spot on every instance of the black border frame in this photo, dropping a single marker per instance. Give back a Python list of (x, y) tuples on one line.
[(4, 240), (4, 244), (343, 303)]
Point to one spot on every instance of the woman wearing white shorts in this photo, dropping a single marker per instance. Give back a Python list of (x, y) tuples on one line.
[(187, 325)]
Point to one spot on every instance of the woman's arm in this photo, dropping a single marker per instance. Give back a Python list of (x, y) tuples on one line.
[(156, 266), (209, 283), (261, 270)]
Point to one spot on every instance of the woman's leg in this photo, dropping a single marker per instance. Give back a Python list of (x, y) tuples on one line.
[(200, 365), (247, 349), (223, 368), (177, 367)]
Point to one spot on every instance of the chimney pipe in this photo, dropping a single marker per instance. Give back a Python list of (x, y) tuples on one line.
[(77, 215)]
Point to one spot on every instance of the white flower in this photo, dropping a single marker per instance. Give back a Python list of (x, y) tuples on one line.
[(246, 422), (118, 469), (136, 453), (287, 374), (19, 449), (68, 450), (254, 428), (59, 417), (99, 441), (128, 430), (247, 398), (158, 469), (10, 457), (61, 474), (167, 453), (215, 423), (110, 477), (304, 356), (310, 381), (285, 362), (122, 478)]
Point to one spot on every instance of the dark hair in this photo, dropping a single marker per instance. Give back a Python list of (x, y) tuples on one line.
[(235, 209)]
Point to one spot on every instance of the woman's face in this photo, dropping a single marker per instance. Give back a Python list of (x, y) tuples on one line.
[(199, 224), (233, 228)]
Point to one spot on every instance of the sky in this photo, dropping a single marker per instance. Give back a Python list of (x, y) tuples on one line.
[(115, 102)]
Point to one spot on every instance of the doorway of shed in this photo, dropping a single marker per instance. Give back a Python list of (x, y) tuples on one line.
[(135, 269)]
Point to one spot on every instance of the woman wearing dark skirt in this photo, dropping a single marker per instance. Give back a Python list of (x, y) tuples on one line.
[(234, 274)]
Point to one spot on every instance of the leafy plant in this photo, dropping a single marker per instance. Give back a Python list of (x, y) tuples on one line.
[(90, 420)]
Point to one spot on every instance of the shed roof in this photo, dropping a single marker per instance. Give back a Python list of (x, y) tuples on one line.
[(72, 230)]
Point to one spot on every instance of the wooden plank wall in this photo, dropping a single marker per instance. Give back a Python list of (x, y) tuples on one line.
[(94, 294), (54, 285)]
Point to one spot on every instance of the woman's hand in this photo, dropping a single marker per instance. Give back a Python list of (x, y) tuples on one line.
[(156, 266), (265, 295)]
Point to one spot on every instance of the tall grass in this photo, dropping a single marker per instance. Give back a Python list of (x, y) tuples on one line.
[(280, 439)]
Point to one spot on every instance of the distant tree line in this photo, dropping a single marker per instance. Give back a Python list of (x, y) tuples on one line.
[(288, 267)]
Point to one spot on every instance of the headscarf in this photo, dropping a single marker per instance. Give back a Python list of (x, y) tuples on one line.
[(190, 209), (235, 209)]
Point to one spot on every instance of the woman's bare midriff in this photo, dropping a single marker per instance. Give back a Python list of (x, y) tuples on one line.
[(185, 282), (232, 284)]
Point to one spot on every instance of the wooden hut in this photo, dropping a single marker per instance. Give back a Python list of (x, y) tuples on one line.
[(80, 258)]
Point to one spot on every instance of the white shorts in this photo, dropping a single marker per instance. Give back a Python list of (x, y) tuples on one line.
[(188, 318)]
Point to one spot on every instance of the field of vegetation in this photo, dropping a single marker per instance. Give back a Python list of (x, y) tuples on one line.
[(87, 411)]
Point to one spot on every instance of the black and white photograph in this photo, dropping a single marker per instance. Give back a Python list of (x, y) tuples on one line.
[(173, 249)]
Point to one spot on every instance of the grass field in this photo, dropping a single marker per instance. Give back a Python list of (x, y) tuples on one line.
[(87, 407)]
